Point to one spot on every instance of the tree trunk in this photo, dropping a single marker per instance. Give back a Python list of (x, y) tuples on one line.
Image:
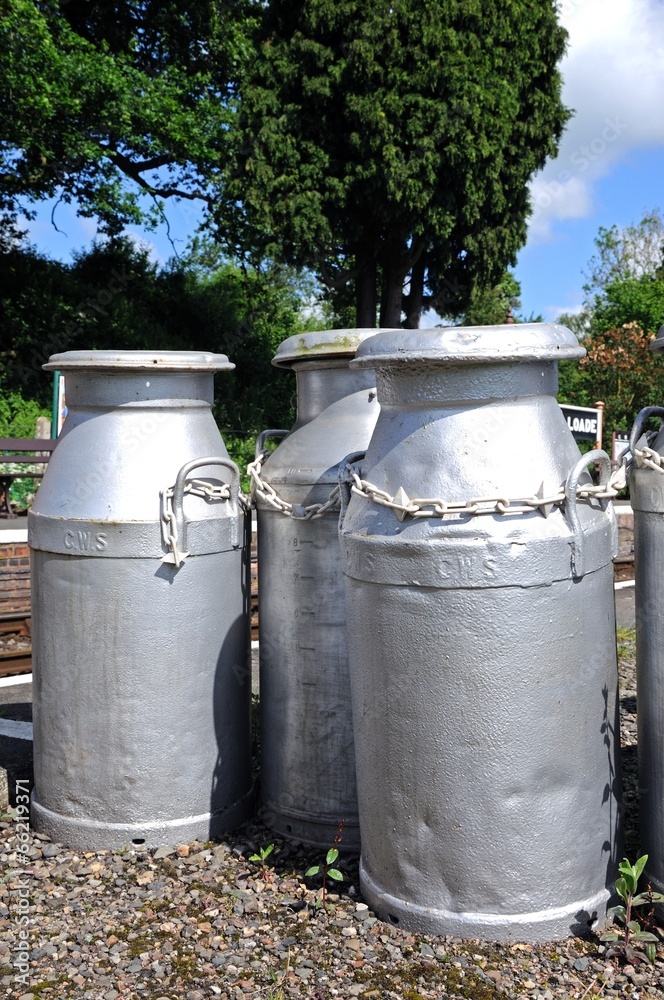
[(391, 299), (415, 299), (365, 297)]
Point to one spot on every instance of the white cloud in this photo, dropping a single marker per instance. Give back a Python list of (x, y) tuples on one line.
[(552, 313), (141, 243), (614, 81)]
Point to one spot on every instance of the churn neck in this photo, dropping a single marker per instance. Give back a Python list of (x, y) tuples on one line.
[(320, 360), (118, 378), (320, 384), (467, 363)]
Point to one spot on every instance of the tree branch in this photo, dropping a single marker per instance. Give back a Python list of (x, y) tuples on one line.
[(134, 170), (339, 281)]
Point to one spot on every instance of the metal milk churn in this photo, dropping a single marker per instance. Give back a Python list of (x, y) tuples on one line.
[(481, 633), (140, 609), (307, 758), (646, 488)]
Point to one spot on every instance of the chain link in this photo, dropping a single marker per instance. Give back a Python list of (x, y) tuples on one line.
[(298, 512), (404, 506), (645, 457), (169, 527)]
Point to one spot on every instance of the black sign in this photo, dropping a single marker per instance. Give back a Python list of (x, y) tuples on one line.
[(582, 421)]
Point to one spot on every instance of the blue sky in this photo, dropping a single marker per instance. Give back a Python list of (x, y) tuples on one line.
[(610, 167)]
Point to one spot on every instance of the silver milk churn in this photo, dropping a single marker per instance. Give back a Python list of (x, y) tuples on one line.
[(307, 759), (646, 488), (482, 647), (140, 609)]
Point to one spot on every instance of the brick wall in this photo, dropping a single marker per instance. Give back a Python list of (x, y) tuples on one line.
[(14, 576)]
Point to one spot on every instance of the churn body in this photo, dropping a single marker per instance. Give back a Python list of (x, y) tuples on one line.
[(307, 758), (482, 646), (646, 489), (141, 688)]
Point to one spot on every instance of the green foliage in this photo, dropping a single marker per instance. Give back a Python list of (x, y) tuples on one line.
[(115, 297), (490, 306), (93, 94), (327, 869), (626, 887), (263, 854), (18, 416), (394, 137), (634, 252), (633, 300), (621, 318), (261, 858), (18, 419)]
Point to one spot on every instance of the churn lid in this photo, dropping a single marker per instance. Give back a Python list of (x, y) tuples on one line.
[(122, 361), (321, 344), (470, 345)]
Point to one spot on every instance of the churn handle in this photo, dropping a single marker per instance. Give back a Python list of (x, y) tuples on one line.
[(178, 493), (642, 418), (344, 481), (571, 513), (262, 438)]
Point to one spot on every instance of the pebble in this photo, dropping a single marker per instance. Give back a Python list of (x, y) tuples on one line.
[(196, 921)]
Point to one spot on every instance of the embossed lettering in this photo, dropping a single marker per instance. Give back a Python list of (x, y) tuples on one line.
[(84, 540), (100, 541), (69, 539)]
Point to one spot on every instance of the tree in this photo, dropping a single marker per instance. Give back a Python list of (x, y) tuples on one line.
[(624, 309), (494, 305), (94, 94), (621, 370), (115, 297), (389, 143), (628, 254), (632, 300)]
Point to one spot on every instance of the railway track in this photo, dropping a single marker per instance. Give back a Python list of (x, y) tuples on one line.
[(16, 658)]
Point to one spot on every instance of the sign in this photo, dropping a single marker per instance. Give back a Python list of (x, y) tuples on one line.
[(584, 422), (59, 407), (619, 445)]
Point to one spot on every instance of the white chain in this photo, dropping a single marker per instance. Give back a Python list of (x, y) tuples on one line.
[(298, 512), (169, 528), (434, 507), (646, 458)]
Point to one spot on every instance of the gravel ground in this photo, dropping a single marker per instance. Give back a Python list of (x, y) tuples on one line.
[(203, 921)]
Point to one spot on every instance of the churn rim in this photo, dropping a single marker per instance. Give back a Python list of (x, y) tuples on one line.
[(120, 361), (470, 345), (320, 344), (657, 344)]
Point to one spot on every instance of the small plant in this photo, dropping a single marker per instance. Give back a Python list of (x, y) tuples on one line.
[(261, 858), (624, 914), (327, 868)]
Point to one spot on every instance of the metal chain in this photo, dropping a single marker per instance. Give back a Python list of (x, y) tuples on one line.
[(298, 512), (404, 506), (169, 528), (645, 457)]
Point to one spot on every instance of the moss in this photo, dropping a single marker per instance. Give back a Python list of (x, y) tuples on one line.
[(405, 981), (184, 966), (139, 945)]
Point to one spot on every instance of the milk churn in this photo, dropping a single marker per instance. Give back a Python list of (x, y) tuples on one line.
[(307, 758), (646, 487), (482, 642), (141, 689)]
